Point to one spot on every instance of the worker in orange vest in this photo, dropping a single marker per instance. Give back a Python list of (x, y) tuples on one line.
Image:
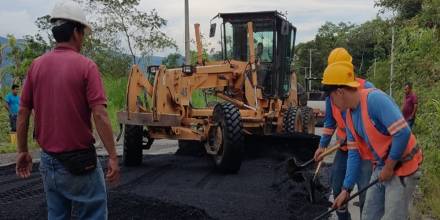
[(376, 131), (334, 121)]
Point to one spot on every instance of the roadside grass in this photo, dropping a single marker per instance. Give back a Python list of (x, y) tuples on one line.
[(427, 130), (12, 148), (430, 181), (7, 148)]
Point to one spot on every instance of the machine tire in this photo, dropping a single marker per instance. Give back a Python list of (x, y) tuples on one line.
[(132, 154), (308, 119), (292, 121), (229, 156)]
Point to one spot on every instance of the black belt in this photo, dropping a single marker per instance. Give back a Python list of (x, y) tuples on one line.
[(407, 158), (411, 154)]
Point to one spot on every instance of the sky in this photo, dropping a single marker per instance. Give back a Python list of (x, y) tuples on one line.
[(18, 16)]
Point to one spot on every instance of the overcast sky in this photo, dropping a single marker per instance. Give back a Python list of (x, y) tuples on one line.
[(17, 16)]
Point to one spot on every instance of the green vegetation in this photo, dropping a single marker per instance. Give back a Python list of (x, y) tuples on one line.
[(172, 60), (115, 88)]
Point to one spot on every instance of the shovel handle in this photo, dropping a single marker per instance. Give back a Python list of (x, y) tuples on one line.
[(326, 152), (330, 150), (317, 170), (349, 199)]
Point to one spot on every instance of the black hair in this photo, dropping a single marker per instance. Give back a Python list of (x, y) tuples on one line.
[(330, 88), (409, 85), (15, 86), (64, 32)]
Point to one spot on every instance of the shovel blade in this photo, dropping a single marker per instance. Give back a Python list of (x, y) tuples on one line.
[(293, 170)]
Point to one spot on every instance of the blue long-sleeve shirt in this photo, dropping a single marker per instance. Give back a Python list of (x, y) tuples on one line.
[(330, 122), (385, 115)]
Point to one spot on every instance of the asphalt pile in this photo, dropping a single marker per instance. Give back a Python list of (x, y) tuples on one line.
[(138, 207)]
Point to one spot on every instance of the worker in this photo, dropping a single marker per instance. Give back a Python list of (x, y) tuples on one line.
[(376, 131), (65, 89), (410, 104), (334, 121), (259, 51)]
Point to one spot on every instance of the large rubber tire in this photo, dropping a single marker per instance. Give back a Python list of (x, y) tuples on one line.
[(292, 120), (230, 154), (308, 119), (132, 154)]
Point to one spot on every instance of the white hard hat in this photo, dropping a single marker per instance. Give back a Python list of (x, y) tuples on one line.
[(69, 10)]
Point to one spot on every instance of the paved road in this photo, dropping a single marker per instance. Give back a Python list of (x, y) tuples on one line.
[(169, 186)]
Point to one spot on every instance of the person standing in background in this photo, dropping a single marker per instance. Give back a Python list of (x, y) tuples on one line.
[(12, 103), (410, 104)]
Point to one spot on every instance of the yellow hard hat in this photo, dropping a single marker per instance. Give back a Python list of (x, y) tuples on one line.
[(340, 73), (339, 54)]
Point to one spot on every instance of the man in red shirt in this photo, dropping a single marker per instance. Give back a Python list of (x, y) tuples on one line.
[(409, 107), (64, 89)]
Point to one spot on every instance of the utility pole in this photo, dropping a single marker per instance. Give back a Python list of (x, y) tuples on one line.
[(392, 60), (187, 53), (310, 68), (305, 78)]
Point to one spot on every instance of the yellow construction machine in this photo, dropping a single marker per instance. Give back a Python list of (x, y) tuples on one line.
[(254, 83)]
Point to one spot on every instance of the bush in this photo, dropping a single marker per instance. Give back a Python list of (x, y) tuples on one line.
[(115, 88)]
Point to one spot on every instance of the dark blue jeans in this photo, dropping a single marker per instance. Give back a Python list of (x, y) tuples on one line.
[(411, 122), (86, 193), (13, 122), (337, 179)]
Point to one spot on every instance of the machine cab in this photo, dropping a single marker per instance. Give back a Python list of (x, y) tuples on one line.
[(274, 40)]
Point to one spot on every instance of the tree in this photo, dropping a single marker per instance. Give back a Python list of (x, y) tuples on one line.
[(16, 56), (140, 30), (405, 9), (44, 27), (111, 60), (329, 36), (22, 53), (366, 43), (173, 60)]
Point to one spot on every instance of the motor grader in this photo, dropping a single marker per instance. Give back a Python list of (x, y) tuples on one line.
[(254, 85)]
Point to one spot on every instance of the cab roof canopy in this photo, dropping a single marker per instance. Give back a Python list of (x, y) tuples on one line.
[(243, 17)]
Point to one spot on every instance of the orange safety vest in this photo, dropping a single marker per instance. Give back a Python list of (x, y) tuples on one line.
[(412, 156), (337, 115)]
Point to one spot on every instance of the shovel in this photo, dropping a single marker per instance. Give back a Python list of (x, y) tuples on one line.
[(312, 183), (294, 167), (348, 200)]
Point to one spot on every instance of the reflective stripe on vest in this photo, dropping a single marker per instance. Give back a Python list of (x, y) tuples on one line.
[(381, 143), (337, 115)]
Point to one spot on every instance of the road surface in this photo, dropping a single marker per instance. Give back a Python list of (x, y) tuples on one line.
[(170, 186)]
